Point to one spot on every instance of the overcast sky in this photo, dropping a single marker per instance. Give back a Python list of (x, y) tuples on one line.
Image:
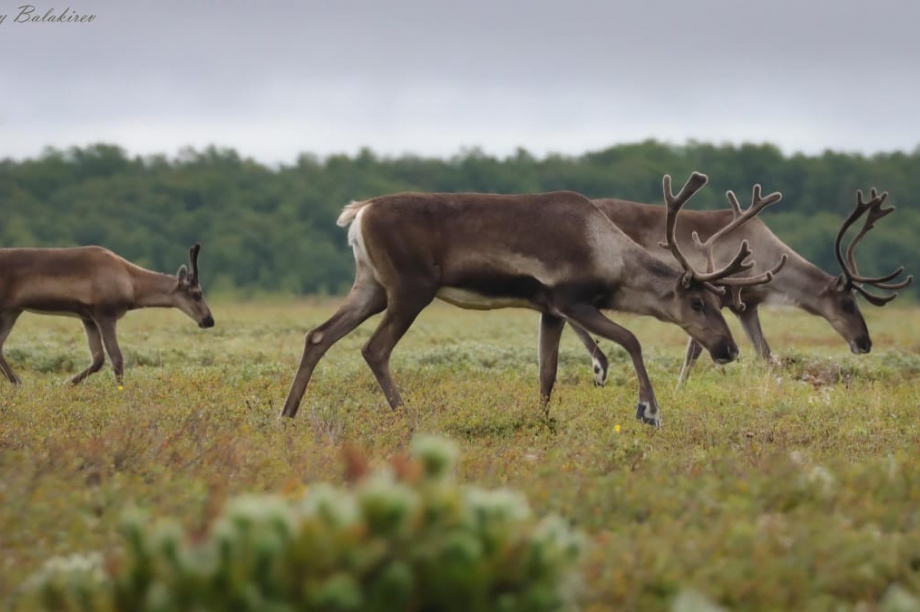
[(434, 78)]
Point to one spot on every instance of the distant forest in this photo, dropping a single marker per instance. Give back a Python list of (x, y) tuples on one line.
[(272, 229)]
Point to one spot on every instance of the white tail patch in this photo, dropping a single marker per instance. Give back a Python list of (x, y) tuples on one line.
[(350, 212), (356, 237)]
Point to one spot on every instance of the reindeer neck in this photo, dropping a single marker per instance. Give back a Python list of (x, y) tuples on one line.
[(152, 289), (647, 287), (800, 283)]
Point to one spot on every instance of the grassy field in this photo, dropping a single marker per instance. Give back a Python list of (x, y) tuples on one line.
[(791, 487)]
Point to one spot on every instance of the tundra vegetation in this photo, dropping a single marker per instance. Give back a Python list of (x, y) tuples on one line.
[(787, 486)]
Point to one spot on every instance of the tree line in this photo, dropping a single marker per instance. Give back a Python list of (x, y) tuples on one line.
[(271, 229)]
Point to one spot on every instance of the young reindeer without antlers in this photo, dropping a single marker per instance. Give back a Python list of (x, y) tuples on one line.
[(95, 285), (801, 284), (554, 252)]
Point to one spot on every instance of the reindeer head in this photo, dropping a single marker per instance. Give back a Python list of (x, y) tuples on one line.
[(697, 305), (839, 304), (189, 298)]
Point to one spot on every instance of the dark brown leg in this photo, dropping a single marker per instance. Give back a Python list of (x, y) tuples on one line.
[(598, 358), (591, 319), (550, 332), (95, 348), (750, 321), (399, 316), (7, 320), (366, 299), (106, 326)]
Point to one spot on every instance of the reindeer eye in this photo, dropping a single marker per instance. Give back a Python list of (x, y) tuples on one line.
[(698, 305), (196, 297), (849, 306)]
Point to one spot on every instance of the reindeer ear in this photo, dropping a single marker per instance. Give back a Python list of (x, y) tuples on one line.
[(838, 284), (182, 274), (684, 281)]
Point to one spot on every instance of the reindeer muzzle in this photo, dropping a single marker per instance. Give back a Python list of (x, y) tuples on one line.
[(724, 352), (207, 322), (861, 345)]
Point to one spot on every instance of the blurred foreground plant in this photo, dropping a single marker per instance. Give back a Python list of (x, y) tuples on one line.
[(406, 537)]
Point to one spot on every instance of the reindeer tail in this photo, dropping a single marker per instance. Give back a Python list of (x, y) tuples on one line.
[(350, 212)]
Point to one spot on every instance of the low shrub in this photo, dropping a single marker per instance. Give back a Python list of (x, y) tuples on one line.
[(404, 537)]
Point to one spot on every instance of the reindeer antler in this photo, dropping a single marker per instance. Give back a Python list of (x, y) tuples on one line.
[(675, 203), (712, 279), (193, 260), (739, 218), (850, 271), (735, 285)]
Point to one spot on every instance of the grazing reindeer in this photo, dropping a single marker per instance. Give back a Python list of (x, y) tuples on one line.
[(801, 284), (97, 286), (554, 252)]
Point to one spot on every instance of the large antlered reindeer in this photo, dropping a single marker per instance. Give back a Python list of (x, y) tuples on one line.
[(554, 252), (95, 285), (801, 284)]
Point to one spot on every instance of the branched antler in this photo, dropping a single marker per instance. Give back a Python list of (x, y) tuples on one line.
[(735, 285), (717, 280), (874, 212), (675, 203), (696, 182), (739, 218)]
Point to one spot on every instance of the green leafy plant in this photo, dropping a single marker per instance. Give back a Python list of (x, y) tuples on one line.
[(404, 537)]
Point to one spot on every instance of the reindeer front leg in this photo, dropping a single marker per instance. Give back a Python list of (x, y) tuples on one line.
[(694, 349), (591, 319), (106, 327), (598, 358), (750, 321), (95, 348)]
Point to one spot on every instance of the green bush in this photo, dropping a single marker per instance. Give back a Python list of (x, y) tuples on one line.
[(406, 537)]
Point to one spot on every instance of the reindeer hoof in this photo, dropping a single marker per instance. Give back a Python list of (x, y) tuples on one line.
[(648, 414), (600, 375)]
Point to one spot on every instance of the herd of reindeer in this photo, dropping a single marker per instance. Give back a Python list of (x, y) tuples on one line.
[(559, 253)]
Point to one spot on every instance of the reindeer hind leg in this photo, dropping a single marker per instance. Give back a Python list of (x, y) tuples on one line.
[(402, 309), (548, 347), (365, 299), (7, 320)]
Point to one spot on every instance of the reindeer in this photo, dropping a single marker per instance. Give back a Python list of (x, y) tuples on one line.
[(802, 284), (555, 253), (95, 285)]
